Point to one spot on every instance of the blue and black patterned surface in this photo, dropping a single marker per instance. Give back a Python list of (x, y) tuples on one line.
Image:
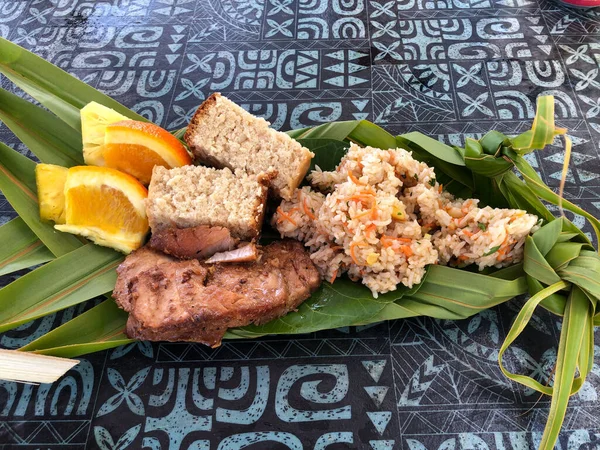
[(447, 68)]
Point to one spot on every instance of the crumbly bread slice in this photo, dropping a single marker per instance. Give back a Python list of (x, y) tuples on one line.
[(223, 134), (189, 196)]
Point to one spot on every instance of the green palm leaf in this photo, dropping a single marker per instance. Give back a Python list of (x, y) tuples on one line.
[(48, 137), (68, 280), (20, 247), (571, 340), (361, 132), (60, 92), (100, 328), (537, 185), (17, 183)]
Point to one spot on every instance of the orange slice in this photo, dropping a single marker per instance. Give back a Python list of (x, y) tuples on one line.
[(106, 206), (136, 147)]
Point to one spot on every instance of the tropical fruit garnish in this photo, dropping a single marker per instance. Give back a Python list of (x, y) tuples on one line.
[(136, 147), (50, 180), (106, 206), (112, 140), (94, 119)]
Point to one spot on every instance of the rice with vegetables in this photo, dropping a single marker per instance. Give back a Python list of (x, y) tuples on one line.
[(382, 217)]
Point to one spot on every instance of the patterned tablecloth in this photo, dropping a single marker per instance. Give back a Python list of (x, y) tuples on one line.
[(447, 68)]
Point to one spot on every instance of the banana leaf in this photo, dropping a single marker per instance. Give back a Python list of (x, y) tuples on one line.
[(20, 247), (60, 92), (331, 306), (328, 152), (445, 292), (17, 183)]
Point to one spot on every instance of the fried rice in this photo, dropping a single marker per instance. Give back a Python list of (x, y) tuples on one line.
[(381, 217)]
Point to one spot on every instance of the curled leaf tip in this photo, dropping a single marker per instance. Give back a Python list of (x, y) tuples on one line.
[(559, 131)]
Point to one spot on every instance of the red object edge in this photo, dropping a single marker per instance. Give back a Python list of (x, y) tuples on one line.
[(582, 3)]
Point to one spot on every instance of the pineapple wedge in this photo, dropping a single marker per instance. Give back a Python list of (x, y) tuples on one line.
[(50, 180), (94, 119)]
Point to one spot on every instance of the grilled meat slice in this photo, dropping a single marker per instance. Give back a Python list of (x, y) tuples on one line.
[(282, 280), (174, 300), (198, 242)]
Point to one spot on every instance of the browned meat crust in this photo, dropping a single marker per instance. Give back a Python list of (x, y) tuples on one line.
[(198, 242), (172, 300)]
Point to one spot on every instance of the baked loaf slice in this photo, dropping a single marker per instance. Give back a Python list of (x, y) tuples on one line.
[(222, 134), (197, 197)]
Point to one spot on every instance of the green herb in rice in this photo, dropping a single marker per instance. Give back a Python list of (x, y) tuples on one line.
[(492, 250)]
